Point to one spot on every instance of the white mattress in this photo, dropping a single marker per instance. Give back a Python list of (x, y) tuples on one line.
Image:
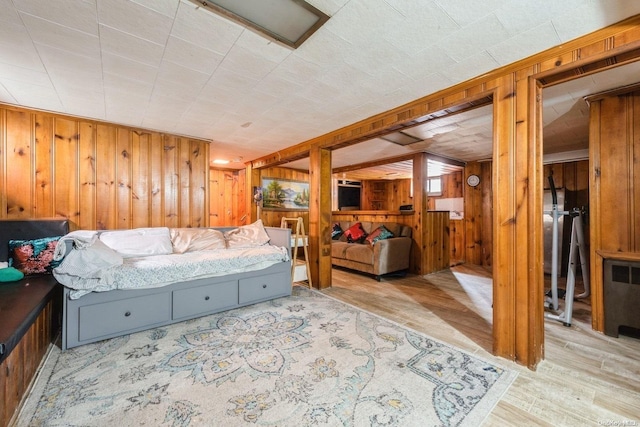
[(161, 270)]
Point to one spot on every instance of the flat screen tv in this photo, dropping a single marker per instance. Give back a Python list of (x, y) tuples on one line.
[(348, 197)]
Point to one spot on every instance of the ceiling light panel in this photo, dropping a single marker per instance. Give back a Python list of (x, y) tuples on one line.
[(289, 22)]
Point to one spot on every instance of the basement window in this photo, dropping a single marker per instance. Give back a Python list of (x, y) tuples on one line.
[(434, 186)]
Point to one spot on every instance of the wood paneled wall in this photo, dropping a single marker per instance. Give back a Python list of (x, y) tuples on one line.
[(387, 194), (99, 175), (452, 187), (227, 198), (478, 211), (615, 187)]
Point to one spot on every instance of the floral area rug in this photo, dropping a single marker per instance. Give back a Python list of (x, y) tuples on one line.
[(304, 360)]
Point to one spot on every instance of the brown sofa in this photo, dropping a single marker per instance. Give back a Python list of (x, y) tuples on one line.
[(385, 256)]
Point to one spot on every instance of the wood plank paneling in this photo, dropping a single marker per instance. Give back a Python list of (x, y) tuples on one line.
[(66, 137), (98, 175), (198, 183), (140, 184), (87, 176), (156, 173), (106, 155), (19, 368), (227, 199), (615, 182), (18, 155), (43, 166), (123, 179)]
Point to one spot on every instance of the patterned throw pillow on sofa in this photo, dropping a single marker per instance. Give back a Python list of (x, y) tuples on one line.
[(355, 233), (336, 231), (379, 233), (33, 256)]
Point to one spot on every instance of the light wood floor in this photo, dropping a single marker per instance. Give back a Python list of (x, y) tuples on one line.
[(587, 378)]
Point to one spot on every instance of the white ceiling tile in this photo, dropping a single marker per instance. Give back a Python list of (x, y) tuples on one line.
[(247, 64), (423, 24), (165, 7), (6, 97), (262, 47), (84, 107), (8, 13), (135, 19), (464, 12), (591, 16), (118, 65), (129, 46), (117, 84), (65, 81), (25, 75), (60, 37), (518, 16), (175, 91), (191, 56), (79, 15), (205, 29), (329, 7), (525, 44), (32, 95), (63, 60), (480, 36), (229, 80), (426, 62), (471, 67)]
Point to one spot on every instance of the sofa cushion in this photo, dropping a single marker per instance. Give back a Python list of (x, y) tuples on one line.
[(338, 249), (355, 233), (360, 253), (380, 233)]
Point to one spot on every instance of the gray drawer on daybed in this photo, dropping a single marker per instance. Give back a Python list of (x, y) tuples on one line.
[(254, 289), (101, 320), (204, 299)]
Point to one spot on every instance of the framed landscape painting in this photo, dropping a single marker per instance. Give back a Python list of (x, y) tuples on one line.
[(285, 194)]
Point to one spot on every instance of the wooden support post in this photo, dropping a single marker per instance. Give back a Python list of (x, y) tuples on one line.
[(320, 217), (518, 317)]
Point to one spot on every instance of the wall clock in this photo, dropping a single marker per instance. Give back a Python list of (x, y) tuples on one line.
[(473, 180)]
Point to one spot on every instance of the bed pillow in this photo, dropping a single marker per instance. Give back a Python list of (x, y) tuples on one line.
[(380, 233), (355, 233), (139, 242), (247, 236), (33, 256), (336, 231), (196, 239)]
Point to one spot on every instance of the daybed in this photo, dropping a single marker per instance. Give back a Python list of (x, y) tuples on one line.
[(124, 281), (159, 289), (367, 249)]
